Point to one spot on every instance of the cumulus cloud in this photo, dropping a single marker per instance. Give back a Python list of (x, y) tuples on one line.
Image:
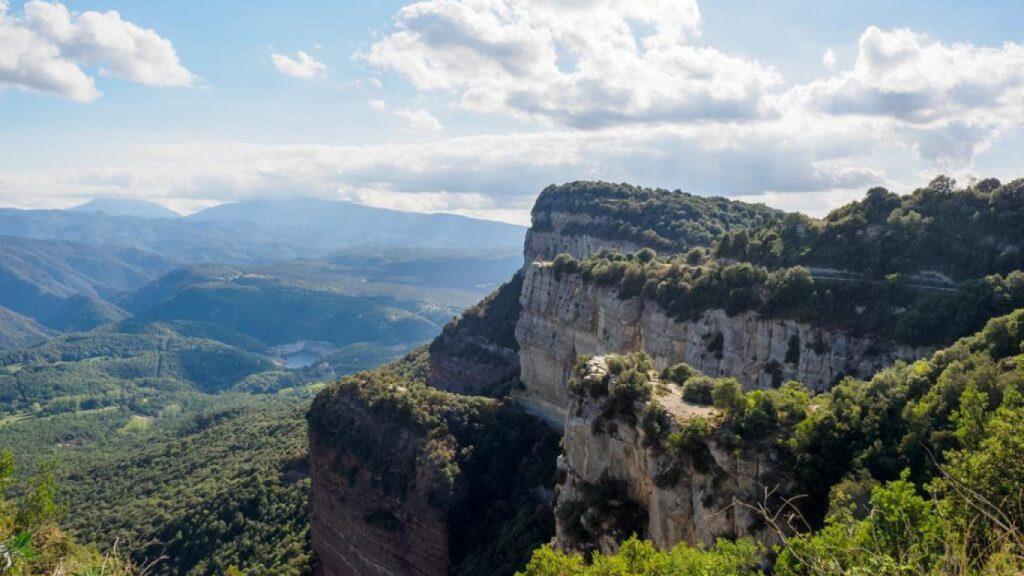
[(580, 64), (301, 66), (46, 47), (950, 101)]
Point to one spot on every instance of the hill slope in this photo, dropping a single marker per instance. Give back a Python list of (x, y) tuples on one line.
[(63, 285), (17, 331)]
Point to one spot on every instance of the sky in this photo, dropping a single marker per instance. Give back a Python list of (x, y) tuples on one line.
[(474, 106)]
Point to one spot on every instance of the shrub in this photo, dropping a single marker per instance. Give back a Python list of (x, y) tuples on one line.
[(691, 436), (565, 264), (697, 390), (679, 373), (727, 395)]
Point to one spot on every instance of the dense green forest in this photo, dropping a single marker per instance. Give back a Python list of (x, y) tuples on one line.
[(219, 483), (961, 232), (654, 218)]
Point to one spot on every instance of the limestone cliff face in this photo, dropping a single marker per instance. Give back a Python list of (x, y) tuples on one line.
[(546, 241), (408, 480), (372, 519), (359, 530), (564, 317), (696, 496)]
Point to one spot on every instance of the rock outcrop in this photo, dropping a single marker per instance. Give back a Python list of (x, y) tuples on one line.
[(360, 530), (694, 495), (564, 317), (554, 238), (408, 480)]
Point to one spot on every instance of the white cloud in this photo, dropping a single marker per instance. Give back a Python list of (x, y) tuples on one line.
[(419, 120), (829, 60), (45, 49), (950, 101), (414, 120), (494, 176), (301, 66), (580, 64)]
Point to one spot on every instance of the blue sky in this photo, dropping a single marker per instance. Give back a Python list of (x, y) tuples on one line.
[(447, 105)]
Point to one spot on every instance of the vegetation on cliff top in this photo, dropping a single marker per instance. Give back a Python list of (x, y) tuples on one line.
[(656, 218), (894, 309), (961, 232)]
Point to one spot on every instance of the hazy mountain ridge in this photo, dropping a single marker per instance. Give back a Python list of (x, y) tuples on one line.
[(68, 286), (126, 207)]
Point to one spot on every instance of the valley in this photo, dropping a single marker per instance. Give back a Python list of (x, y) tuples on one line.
[(645, 379)]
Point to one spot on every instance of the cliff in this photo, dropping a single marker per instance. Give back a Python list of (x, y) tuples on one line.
[(477, 353), (564, 317), (665, 469), (409, 480)]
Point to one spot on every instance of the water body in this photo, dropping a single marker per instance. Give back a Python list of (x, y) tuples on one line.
[(299, 360)]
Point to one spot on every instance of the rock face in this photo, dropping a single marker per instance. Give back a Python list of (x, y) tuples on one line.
[(694, 497), (477, 353), (544, 243), (408, 480), (564, 317), (358, 530)]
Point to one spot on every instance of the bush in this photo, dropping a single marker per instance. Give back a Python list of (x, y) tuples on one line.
[(697, 390), (691, 436), (565, 264), (727, 395), (679, 373)]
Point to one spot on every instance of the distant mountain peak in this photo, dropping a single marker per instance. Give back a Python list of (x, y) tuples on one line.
[(126, 207)]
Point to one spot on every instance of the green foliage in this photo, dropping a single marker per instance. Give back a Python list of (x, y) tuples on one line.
[(903, 533), (653, 218), (889, 309), (604, 510), (679, 373), (31, 539), (697, 390), (691, 437), (635, 557), (480, 330), (727, 395), (964, 233), (564, 264), (145, 366)]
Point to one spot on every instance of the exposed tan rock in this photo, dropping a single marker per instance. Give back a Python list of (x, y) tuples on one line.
[(358, 530), (687, 499), (564, 318), (551, 241)]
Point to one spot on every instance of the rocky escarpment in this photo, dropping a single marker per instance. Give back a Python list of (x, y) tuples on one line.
[(477, 353), (681, 486), (559, 235), (412, 481), (359, 529), (564, 317)]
